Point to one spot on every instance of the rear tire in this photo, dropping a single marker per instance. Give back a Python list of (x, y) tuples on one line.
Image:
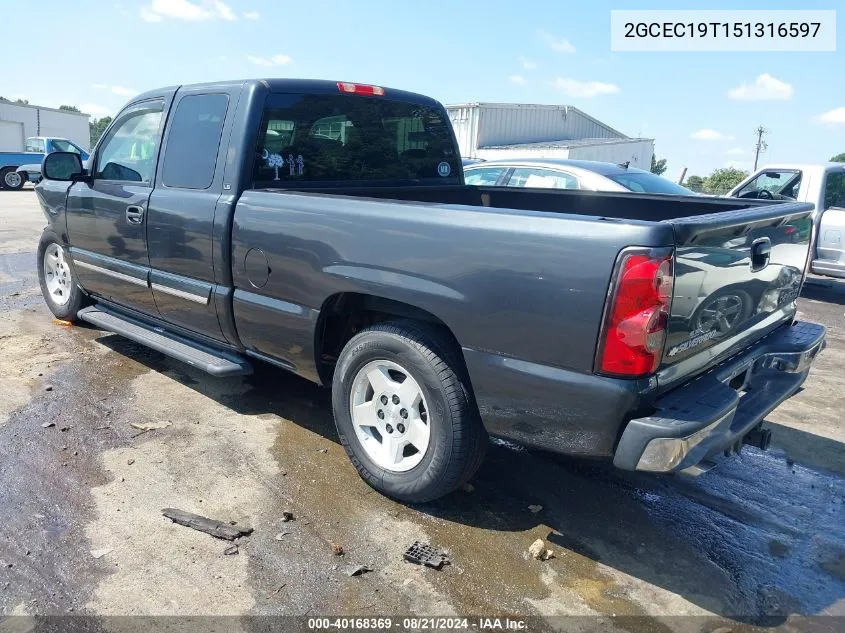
[(57, 279), (12, 180), (440, 409)]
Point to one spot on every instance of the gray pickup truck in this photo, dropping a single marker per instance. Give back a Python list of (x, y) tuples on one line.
[(326, 228)]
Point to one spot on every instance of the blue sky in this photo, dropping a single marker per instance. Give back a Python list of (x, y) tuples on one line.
[(96, 54)]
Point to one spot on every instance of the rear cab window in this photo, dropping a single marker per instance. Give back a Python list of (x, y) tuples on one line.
[(321, 139)]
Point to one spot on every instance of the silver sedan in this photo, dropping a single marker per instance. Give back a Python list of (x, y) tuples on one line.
[(549, 173)]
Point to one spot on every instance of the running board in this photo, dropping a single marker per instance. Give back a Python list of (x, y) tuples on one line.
[(212, 361)]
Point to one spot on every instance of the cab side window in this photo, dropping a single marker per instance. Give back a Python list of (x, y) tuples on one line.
[(774, 184), (834, 191), (34, 145), (129, 152), (193, 141)]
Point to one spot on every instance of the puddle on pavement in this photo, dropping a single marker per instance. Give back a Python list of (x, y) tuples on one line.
[(753, 538), (18, 282)]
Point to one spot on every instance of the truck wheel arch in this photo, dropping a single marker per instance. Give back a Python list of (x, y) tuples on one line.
[(343, 314)]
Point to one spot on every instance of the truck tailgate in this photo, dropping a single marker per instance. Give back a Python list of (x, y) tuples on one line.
[(737, 276)]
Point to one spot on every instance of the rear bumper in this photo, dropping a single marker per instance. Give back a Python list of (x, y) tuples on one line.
[(715, 411)]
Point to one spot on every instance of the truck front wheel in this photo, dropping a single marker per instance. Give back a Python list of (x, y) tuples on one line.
[(405, 413), (58, 282), (10, 179)]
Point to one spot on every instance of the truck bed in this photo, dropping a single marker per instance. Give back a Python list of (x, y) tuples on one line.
[(624, 206)]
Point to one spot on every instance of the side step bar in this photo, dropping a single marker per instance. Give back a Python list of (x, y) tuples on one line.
[(215, 362)]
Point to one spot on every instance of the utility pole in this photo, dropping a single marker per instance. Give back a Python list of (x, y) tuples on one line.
[(761, 146)]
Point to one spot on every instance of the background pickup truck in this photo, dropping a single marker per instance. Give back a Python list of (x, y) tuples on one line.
[(326, 228), (18, 167), (822, 185)]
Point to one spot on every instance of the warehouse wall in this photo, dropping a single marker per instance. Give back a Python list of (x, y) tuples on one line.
[(47, 122), (638, 152), (484, 125)]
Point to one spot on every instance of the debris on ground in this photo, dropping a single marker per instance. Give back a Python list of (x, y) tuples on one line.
[(337, 550), (231, 550), (538, 550), (535, 508), (358, 570), (99, 553), (424, 554), (323, 450), (287, 516), (130, 461), (150, 426), (217, 529), (48, 388), (47, 425), (281, 535), (65, 429), (63, 323), (468, 488)]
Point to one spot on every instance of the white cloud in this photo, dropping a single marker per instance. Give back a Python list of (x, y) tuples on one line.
[(837, 115), (269, 62), (95, 110), (735, 151), (710, 135), (575, 88), (195, 11), (764, 88), (517, 79), (252, 15), (527, 64), (118, 90), (559, 44)]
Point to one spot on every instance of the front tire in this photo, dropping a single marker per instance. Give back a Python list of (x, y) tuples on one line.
[(12, 180), (58, 282), (405, 413)]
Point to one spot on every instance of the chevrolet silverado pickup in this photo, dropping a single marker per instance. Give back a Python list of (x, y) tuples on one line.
[(325, 228)]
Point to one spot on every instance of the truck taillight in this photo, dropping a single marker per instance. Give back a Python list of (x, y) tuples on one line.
[(360, 89), (637, 313)]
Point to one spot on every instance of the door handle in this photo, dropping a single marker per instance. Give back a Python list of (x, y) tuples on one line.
[(761, 251), (134, 214)]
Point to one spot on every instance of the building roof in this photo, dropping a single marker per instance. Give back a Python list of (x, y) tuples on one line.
[(38, 107), (564, 144)]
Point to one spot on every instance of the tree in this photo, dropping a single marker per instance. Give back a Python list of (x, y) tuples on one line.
[(97, 127), (657, 166), (68, 108), (723, 180), (839, 158), (695, 183), (22, 101)]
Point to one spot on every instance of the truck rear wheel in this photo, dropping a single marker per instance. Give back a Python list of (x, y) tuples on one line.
[(10, 179), (405, 414)]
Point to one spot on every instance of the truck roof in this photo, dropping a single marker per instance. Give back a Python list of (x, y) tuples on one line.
[(308, 86), (822, 167)]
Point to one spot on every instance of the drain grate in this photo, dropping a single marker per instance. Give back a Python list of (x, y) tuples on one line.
[(424, 554)]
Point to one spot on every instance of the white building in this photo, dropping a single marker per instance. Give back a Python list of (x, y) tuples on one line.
[(18, 122), (517, 130)]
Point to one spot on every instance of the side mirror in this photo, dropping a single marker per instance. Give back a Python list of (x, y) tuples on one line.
[(62, 166)]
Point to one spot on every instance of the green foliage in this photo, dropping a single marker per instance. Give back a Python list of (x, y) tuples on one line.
[(696, 183), (657, 166), (723, 180), (719, 182), (70, 108), (97, 127), (839, 158)]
